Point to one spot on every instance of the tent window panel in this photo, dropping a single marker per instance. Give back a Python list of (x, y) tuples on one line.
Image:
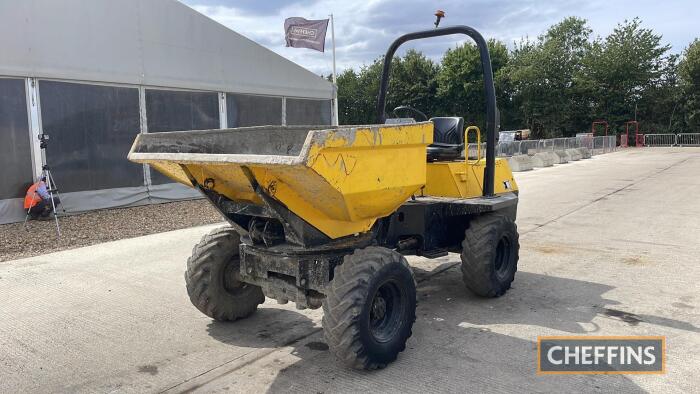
[(15, 144), (173, 110), (248, 110), (91, 129), (308, 112)]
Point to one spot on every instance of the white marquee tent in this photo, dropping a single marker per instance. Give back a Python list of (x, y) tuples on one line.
[(92, 74)]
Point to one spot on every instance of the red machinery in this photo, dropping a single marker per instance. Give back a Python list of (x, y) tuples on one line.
[(599, 122), (638, 138)]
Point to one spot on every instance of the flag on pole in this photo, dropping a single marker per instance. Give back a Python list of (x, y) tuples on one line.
[(303, 33)]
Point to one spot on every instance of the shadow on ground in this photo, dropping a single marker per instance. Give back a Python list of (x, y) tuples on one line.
[(457, 343), (267, 328), (454, 350), (556, 303)]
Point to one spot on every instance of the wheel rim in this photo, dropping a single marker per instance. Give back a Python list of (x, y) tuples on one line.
[(232, 278), (386, 311), (503, 257)]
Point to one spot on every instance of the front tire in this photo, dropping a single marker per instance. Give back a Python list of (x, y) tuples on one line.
[(490, 255), (213, 278), (370, 308)]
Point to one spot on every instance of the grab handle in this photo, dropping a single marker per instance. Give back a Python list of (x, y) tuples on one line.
[(478, 141)]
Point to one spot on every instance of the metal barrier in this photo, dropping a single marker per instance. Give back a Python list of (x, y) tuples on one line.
[(688, 139), (596, 145), (660, 140), (560, 143), (473, 151), (601, 145), (528, 147), (682, 139), (509, 148)]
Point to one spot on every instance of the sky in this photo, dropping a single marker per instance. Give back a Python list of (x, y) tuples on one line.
[(364, 29)]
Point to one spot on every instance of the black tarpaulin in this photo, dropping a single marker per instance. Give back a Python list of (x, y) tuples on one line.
[(90, 128), (15, 146), (308, 112), (247, 110), (176, 110)]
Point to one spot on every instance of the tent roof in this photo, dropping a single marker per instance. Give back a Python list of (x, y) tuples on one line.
[(148, 42)]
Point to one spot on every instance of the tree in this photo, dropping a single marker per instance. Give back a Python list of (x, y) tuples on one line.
[(350, 97), (660, 107), (543, 74), (412, 82), (460, 83), (555, 85), (621, 70), (689, 73)]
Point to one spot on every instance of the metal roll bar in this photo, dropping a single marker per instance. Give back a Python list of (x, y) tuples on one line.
[(491, 132)]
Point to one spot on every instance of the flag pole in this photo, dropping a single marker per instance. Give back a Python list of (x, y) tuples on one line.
[(335, 80)]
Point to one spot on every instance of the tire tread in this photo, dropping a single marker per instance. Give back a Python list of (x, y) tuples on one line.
[(478, 248), (342, 307), (217, 247)]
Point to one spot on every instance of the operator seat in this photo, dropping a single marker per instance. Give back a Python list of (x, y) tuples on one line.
[(448, 136)]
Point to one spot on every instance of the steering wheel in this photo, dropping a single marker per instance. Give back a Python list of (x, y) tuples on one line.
[(410, 109)]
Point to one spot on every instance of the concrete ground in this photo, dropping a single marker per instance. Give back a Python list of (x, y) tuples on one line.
[(609, 246)]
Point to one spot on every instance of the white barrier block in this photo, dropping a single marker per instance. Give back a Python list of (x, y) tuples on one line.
[(520, 163), (553, 158), (542, 159), (585, 152), (561, 157), (574, 154)]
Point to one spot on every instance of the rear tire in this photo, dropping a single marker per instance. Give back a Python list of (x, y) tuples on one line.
[(370, 308), (213, 278), (490, 255)]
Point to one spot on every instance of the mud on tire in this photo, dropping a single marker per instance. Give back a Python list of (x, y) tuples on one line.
[(212, 278), (370, 308), (490, 255)]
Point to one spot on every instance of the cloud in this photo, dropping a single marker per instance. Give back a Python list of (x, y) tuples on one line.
[(365, 29)]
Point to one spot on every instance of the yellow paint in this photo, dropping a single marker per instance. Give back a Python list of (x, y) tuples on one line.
[(464, 179), (347, 179), (369, 177)]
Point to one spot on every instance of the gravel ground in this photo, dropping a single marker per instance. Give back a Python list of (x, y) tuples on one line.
[(102, 226)]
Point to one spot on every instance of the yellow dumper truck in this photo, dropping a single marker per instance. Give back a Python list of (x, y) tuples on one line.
[(323, 216)]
